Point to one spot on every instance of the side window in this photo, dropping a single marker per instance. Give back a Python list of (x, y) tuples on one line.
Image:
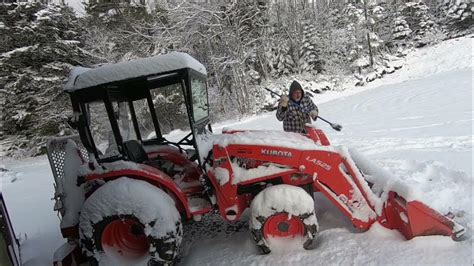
[(199, 95), (170, 107)]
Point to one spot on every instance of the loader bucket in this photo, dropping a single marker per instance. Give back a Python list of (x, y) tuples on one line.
[(416, 219), (411, 218)]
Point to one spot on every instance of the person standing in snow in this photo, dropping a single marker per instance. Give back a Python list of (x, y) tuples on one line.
[(297, 110)]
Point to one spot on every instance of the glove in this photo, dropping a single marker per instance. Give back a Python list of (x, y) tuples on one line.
[(314, 114), (284, 101)]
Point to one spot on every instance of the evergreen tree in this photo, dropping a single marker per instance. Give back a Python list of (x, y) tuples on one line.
[(335, 41), (365, 42), (283, 61), (42, 43), (401, 30), (310, 49), (121, 31), (421, 22), (457, 14)]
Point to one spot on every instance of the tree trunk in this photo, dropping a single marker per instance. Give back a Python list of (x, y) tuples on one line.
[(368, 35)]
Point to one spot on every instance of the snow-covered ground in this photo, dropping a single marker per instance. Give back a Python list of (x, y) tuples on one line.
[(415, 123)]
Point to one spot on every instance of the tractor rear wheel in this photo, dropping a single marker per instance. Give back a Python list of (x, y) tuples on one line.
[(282, 211), (129, 222)]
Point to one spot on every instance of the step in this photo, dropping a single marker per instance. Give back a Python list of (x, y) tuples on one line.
[(199, 205)]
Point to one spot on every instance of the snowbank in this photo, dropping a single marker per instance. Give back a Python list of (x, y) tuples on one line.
[(450, 55)]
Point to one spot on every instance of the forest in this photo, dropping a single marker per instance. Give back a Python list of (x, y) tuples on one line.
[(245, 45)]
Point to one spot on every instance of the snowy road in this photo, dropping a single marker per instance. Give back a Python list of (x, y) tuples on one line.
[(418, 126)]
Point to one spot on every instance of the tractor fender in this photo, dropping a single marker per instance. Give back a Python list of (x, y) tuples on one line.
[(141, 172), (166, 152), (173, 155)]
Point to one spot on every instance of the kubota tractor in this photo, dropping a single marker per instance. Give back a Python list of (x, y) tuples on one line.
[(123, 190)]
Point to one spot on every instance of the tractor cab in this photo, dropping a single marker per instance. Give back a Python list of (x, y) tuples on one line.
[(123, 111), (138, 123)]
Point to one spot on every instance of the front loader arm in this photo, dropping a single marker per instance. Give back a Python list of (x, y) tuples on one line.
[(333, 176), (341, 180)]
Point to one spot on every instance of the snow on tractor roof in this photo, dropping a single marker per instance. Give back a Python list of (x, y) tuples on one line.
[(81, 77)]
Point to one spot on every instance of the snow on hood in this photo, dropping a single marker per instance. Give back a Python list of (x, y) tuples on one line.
[(81, 77), (273, 138), (269, 138)]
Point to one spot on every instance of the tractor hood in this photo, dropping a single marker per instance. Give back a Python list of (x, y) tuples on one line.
[(269, 138)]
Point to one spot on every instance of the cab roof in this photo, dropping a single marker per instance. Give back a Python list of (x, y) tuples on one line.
[(81, 77)]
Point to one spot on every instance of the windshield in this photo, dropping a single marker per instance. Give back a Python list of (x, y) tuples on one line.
[(101, 128)]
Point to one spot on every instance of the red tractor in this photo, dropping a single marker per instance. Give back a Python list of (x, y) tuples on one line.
[(123, 190)]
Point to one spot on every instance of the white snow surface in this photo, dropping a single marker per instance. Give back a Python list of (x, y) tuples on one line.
[(80, 78), (416, 124)]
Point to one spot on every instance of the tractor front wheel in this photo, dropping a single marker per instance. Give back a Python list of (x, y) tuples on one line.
[(129, 222), (282, 211)]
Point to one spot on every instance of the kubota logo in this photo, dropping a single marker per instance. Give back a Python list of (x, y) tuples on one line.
[(317, 162), (277, 153)]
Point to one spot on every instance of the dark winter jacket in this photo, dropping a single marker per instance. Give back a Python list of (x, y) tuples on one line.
[(295, 115)]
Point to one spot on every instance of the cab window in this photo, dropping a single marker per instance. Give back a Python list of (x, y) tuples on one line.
[(199, 97)]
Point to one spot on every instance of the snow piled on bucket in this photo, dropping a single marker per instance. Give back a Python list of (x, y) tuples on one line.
[(383, 181)]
